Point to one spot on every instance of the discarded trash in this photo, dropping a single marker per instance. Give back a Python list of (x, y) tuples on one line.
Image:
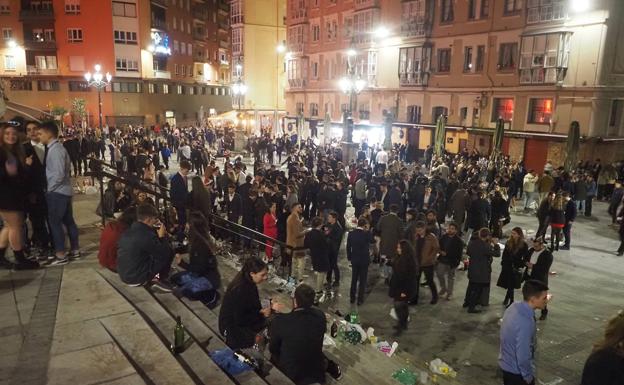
[(556, 381), (553, 273), (405, 376), (328, 341), (386, 348), (467, 363), (438, 366)]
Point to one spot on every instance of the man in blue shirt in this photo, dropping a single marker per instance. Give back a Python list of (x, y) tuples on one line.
[(59, 193), (517, 336)]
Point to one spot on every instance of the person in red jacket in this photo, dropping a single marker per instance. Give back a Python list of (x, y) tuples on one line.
[(269, 222), (107, 255)]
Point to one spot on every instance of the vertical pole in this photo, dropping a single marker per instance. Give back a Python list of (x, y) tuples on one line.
[(100, 105), (101, 178)]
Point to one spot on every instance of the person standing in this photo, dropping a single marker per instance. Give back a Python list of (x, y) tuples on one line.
[(451, 248), (59, 195), (605, 365), (518, 335), (389, 229), (591, 194), (557, 221), (570, 217), (426, 249), (481, 251), (294, 239), (179, 194), (334, 231), (403, 283), (528, 186), (538, 262), (514, 256), (459, 202), (358, 253), (269, 229), (319, 249)]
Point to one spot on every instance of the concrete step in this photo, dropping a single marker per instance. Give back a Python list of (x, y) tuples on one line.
[(194, 359)]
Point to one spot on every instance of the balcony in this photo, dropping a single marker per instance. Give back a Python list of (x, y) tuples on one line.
[(299, 16), (161, 74), (297, 83), (160, 3), (199, 12), (159, 24), (365, 4), (224, 44), (34, 70), (224, 27), (40, 45), (415, 27), (40, 14), (296, 47)]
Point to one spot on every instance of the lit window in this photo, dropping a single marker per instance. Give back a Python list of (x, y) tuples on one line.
[(508, 56), (9, 63), (74, 35), (540, 111), (72, 7), (502, 108)]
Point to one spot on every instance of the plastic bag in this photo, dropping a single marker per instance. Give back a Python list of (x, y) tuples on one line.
[(405, 376), (440, 367)]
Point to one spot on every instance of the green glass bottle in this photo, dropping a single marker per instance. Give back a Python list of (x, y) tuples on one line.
[(178, 336)]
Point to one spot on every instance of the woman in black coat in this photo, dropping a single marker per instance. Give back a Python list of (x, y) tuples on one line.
[(543, 212), (514, 257), (500, 214), (241, 316), (202, 259), (605, 365), (403, 282), (538, 262), (557, 221)]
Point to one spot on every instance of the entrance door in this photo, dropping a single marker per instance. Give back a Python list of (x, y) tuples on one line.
[(535, 154), (170, 118)]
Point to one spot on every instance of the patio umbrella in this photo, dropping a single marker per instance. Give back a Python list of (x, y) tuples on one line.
[(573, 144), (327, 128), (497, 146), (440, 135)]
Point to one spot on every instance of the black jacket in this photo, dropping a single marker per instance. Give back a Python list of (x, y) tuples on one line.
[(453, 247), (335, 237), (570, 211), (541, 268), (358, 247), (234, 207), (478, 214), (36, 171), (604, 367), (318, 245), (512, 262), (239, 318), (297, 345), (403, 279), (179, 191), (141, 254)]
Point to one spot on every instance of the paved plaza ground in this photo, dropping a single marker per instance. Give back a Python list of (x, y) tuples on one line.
[(66, 325)]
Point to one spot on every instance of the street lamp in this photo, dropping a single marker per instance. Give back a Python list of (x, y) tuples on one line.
[(99, 81), (352, 84)]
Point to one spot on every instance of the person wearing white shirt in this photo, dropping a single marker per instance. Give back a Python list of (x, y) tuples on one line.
[(381, 160)]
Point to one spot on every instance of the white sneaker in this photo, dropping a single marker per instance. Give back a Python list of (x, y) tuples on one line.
[(57, 262)]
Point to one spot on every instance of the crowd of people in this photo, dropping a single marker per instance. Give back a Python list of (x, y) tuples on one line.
[(418, 221)]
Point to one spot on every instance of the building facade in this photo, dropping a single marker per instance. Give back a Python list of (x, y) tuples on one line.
[(169, 58), (258, 33), (538, 64)]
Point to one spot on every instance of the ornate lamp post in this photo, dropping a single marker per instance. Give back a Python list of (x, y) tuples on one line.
[(350, 85), (99, 81), (239, 89)]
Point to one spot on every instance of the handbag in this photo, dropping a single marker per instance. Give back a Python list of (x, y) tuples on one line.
[(518, 277)]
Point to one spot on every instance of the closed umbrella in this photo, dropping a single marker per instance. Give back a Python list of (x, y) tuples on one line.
[(573, 144), (440, 135), (497, 146), (327, 128)]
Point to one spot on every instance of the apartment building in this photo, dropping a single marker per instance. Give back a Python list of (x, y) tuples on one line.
[(538, 64), (258, 38), (169, 58)]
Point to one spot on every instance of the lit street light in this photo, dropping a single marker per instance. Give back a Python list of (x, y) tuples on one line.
[(99, 81), (350, 85)]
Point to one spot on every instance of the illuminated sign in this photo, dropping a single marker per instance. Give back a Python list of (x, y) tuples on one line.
[(160, 43)]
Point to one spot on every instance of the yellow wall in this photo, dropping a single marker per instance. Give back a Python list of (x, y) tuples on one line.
[(263, 69), (425, 138), (456, 136)]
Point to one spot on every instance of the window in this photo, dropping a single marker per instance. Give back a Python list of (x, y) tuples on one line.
[(5, 8), (48, 85), (364, 112), (72, 7), (127, 87), (122, 64), (348, 27), (189, 49), (507, 56), (444, 60), (45, 62), (314, 109), (176, 46), (413, 65), (413, 114), (78, 86), (463, 114), (236, 12), (544, 58), (191, 90), (540, 111), (545, 10), (480, 58), (183, 69), (363, 25), (152, 88), (21, 85), (237, 41), (512, 7), (485, 8), (314, 68), (331, 28), (472, 9), (176, 69), (183, 48), (124, 9), (615, 118), (125, 37), (180, 89), (41, 35), (467, 59), (165, 88), (446, 11), (7, 33), (502, 108), (316, 32), (175, 23), (9, 63), (74, 35), (437, 111)]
